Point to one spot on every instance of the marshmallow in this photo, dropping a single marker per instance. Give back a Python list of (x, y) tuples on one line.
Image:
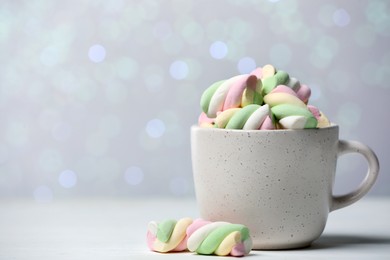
[(280, 78), (220, 238), (168, 235), (285, 110), (200, 236), (274, 99), (268, 71)]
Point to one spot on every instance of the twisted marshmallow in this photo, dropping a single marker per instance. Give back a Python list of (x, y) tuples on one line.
[(200, 236), (237, 91), (290, 111), (219, 238), (251, 117), (168, 235)]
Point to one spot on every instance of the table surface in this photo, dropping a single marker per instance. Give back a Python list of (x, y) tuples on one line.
[(102, 228)]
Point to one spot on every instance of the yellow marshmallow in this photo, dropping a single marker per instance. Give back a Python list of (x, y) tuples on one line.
[(247, 97), (224, 117), (268, 71), (323, 121), (228, 243), (278, 98), (178, 234), (206, 125)]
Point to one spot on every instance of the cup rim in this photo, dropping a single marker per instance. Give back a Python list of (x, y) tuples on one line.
[(211, 129)]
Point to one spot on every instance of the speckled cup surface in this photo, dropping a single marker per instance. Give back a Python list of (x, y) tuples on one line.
[(278, 182)]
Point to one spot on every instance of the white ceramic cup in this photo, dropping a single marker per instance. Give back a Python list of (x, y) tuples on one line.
[(277, 182)]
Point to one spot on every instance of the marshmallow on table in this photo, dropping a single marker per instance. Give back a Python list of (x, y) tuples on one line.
[(200, 236)]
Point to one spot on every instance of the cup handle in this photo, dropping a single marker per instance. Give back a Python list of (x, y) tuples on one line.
[(344, 147)]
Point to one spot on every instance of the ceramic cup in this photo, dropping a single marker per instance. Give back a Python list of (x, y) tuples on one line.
[(278, 182)]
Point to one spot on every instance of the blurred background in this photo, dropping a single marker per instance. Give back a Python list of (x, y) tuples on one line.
[(97, 97)]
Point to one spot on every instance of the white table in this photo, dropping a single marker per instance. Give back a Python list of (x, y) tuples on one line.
[(115, 229)]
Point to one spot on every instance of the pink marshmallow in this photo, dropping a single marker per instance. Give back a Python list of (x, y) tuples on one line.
[(196, 224), (304, 93), (284, 89), (182, 246), (315, 111), (267, 124), (150, 238), (251, 82), (233, 97), (258, 72), (238, 250), (203, 118)]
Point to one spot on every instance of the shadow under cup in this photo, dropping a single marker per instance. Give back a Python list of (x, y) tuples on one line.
[(277, 182)]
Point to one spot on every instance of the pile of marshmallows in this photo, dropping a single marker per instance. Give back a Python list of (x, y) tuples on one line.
[(265, 99)]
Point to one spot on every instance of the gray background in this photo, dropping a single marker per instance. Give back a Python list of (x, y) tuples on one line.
[(97, 97)]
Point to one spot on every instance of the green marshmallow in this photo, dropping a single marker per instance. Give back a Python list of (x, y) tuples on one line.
[(280, 78), (258, 98), (284, 110), (215, 238), (208, 94), (240, 117), (268, 85), (165, 230)]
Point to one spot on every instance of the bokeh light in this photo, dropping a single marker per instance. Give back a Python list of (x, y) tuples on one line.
[(67, 179), (218, 50), (178, 70), (341, 17), (97, 53), (155, 128)]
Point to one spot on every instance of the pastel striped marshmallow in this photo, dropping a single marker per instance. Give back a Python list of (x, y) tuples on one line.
[(199, 236)]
